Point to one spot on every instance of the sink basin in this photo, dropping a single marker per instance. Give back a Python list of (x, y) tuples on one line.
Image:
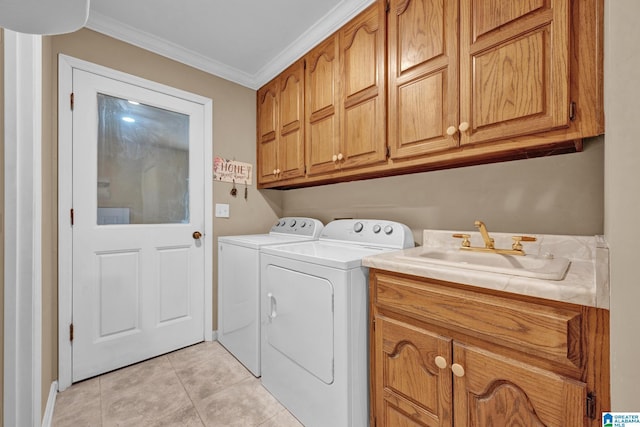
[(547, 268)]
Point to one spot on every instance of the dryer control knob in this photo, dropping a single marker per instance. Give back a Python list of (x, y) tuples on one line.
[(376, 228), (292, 223), (388, 229), (303, 224), (357, 227)]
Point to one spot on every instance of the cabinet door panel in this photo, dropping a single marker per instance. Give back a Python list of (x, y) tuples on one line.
[(498, 391), (514, 79), (363, 95), (423, 79), (267, 132), (408, 382), (291, 108), (322, 118), (491, 14)]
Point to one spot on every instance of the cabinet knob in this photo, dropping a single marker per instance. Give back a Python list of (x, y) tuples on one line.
[(458, 370), (441, 362), (335, 158), (278, 171), (275, 171), (464, 126), (451, 130), (340, 156)]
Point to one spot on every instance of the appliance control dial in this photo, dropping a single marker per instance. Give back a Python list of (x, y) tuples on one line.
[(357, 227), (388, 229), (303, 224), (292, 223), (376, 228)]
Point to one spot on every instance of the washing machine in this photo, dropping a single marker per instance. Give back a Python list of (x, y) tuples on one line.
[(314, 332), (239, 285)]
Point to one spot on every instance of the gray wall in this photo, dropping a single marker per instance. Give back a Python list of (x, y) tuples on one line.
[(552, 195), (622, 196)]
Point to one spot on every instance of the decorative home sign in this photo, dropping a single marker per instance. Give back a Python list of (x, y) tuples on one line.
[(232, 171)]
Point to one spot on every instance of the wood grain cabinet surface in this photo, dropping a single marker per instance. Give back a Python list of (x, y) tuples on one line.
[(281, 127), (417, 85), (447, 355)]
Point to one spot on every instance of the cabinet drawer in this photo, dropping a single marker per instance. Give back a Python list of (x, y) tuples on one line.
[(550, 332)]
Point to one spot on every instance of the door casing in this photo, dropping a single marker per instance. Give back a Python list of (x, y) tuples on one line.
[(66, 64)]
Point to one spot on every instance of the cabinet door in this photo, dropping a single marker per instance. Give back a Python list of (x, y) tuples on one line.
[(410, 389), (321, 107), (514, 68), (268, 132), (363, 89), (496, 391), (291, 122), (423, 76)]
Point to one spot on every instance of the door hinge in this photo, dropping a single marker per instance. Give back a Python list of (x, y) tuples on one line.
[(71, 215), (572, 111), (71, 100), (591, 406), (388, 151), (71, 332)]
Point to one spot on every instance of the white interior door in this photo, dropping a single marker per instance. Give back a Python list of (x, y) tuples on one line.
[(138, 190)]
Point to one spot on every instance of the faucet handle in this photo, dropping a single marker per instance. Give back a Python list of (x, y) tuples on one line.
[(517, 246), (465, 239)]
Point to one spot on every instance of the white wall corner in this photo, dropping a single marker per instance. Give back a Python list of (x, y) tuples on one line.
[(23, 233)]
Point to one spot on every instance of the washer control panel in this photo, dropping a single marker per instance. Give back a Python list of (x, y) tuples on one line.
[(300, 226), (370, 232)]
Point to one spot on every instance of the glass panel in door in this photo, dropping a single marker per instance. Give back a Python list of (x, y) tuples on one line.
[(143, 163)]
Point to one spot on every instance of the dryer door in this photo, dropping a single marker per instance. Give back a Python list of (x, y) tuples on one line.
[(300, 324)]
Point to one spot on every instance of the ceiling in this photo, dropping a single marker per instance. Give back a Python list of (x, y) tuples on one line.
[(245, 41)]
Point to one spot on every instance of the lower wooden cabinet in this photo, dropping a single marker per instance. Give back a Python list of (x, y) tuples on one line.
[(432, 369)]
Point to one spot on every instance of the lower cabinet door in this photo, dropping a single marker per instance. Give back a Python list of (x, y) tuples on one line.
[(412, 376), (492, 390)]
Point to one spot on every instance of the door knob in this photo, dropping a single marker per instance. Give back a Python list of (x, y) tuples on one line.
[(197, 235)]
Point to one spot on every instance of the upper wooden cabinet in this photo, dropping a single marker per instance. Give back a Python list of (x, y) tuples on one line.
[(511, 63), (363, 89), (281, 127), (423, 75), (322, 119), (514, 68), (345, 96), (416, 85)]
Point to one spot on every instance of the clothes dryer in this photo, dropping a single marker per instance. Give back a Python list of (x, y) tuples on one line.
[(314, 333), (239, 285)]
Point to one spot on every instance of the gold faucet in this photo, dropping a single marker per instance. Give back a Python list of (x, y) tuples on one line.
[(516, 247), (488, 241)]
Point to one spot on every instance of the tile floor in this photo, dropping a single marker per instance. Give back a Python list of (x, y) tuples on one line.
[(201, 385)]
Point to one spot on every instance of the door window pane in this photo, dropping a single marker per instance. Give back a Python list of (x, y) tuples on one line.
[(143, 163)]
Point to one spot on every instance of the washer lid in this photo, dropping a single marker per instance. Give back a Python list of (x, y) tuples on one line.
[(256, 241), (325, 253)]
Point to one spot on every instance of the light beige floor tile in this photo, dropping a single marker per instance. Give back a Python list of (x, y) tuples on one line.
[(208, 377), (201, 385), (79, 405), (245, 404), (185, 417), (195, 354), (142, 400), (282, 419)]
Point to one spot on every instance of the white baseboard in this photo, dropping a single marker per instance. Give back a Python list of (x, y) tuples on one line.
[(214, 336), (47, 418)]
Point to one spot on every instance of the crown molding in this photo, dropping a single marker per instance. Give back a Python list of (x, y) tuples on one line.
[(327, 25)]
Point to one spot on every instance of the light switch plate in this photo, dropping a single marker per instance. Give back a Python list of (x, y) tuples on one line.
[(222, 210)]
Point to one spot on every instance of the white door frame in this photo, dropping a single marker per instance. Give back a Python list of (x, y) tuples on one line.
[(66, 64), (22, 229)]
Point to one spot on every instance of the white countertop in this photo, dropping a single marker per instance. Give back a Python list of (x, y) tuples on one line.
[(585, 283)]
